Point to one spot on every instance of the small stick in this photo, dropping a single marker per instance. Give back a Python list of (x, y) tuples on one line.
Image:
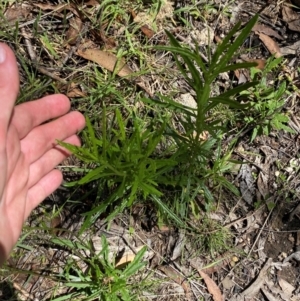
[(33, 57), (45, 15), (262, 228), (23, 292)]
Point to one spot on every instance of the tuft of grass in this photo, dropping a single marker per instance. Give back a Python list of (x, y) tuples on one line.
[(100, 278)]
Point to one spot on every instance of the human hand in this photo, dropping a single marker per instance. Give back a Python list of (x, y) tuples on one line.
[(28, 150)]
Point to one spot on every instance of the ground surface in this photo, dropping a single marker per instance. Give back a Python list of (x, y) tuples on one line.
[(262, 263)]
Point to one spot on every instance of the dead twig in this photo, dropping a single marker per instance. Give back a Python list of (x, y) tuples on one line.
[(59, 7), (33, 58), (262, 228), (23, 292), (254, 288)]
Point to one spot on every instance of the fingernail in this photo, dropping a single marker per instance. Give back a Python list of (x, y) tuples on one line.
[(2, 53)]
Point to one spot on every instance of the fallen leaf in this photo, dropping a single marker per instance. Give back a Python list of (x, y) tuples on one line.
[(74, 91), (147, 31), (271, 45), (291, 18), (110, 42), (261, 63), (175, 276), (291, 49), (262, 184), (243, 75), (106, 60), (267, 31), (227, 283), (16, 13), (74, 30), (285, 291), (71, 89), (294, 25), (268, 295), (110, 62), (288, 14), (211, 286), (246, 182), (126, 258), (254, 288), (92, 3), (286, 287), (56, 8), (178, 246)]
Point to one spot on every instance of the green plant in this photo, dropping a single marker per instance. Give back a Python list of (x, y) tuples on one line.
[(125, 163), (266, 101), (212, 237), (137, 160), (96, 277), (200, 160)]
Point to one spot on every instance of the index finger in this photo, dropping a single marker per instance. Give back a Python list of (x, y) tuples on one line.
[(29, 115)]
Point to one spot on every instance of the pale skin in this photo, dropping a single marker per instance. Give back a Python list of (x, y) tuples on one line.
[(28, 150)]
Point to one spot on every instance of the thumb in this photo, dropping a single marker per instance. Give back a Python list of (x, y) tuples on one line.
[(9, 87)]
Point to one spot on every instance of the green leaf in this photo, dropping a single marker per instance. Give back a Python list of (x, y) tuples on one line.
[(63, 242), (224, 45), (92, 138), (136, 264), (165, 209), (238, 89), (254, 134), (121, 125), (80, 152), (235, 67), (224, 182), (227, 101), (222, 62), (71, 296)]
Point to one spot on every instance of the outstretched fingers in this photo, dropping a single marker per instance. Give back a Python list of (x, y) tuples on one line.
[(47, 185), (49, 161), (44, 137), (32, 114)]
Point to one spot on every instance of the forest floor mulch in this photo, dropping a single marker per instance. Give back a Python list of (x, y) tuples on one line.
[(265, 222)]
